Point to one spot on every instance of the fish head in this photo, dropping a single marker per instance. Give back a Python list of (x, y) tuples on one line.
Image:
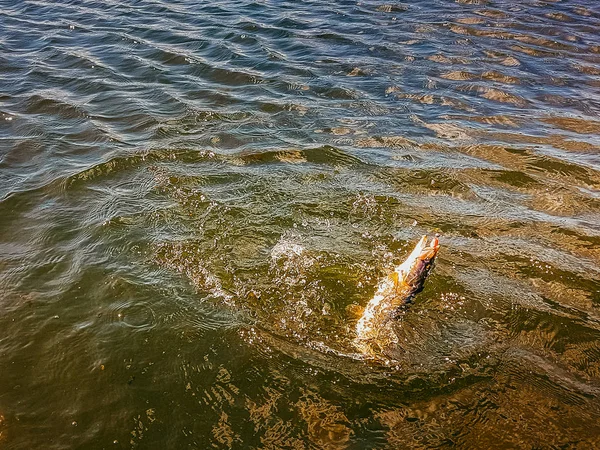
[(419, 263), (429, 251)]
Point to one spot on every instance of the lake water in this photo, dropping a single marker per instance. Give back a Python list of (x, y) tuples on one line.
[(195, 199)]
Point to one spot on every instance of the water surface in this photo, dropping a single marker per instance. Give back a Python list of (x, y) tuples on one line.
[(196, 197)]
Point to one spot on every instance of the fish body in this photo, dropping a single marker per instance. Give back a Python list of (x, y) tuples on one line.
[(374, 331)]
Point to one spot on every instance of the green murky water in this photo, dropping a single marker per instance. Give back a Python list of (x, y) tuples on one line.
[(196, 197)]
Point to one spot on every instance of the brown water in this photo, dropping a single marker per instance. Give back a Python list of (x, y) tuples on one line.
[(196, 197)]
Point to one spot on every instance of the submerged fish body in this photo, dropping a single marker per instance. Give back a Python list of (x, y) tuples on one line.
[(374, 332)]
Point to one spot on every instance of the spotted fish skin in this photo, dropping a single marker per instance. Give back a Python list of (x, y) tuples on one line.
[(374, 331)]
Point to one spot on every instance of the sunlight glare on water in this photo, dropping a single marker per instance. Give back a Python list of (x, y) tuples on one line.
[(196, 199)]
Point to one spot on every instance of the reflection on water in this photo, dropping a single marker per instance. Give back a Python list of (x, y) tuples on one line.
[(195, 200)]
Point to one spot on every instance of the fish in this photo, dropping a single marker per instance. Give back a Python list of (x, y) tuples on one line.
[(374, 330)]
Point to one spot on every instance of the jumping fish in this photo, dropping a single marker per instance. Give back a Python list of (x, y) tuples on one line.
[(374, 332)]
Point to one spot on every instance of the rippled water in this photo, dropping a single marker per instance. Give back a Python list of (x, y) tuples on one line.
[(195, 198)]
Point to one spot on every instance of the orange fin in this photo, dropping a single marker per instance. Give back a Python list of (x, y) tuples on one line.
[(354, 310), (394, 278)]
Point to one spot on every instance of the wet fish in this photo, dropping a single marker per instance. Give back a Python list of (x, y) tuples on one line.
[(374, 332)]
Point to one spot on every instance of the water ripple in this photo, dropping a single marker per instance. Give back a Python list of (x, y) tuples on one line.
[(196, 199)]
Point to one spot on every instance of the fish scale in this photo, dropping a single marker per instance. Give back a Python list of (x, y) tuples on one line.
[(374, 332)]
